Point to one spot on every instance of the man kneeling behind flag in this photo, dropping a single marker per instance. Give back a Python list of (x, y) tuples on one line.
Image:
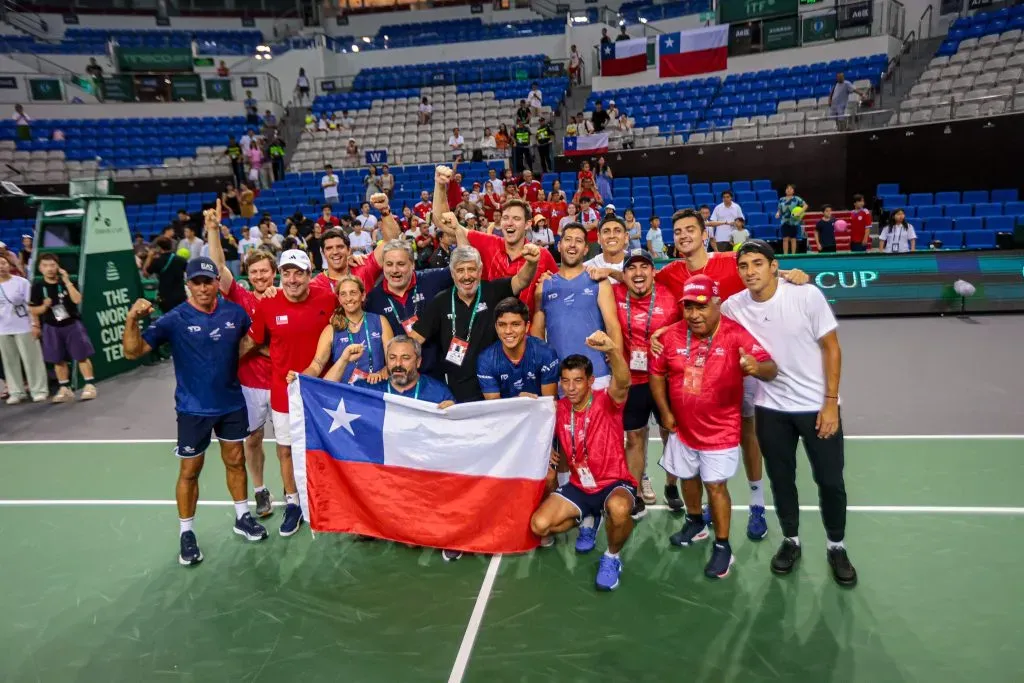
[(378, 462)]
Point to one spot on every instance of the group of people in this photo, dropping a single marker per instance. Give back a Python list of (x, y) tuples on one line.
[(731, 357)]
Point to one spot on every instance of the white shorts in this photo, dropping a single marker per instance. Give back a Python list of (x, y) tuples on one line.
[(750, 387), (602, 382), (686, 463), (257, 404), (282, 428)]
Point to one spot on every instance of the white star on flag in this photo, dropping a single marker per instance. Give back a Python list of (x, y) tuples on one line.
[(607, 49), (340, 418), (668, 42)]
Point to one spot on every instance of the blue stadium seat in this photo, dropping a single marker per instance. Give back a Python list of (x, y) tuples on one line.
[(947, 198), (979, 239), (970, 223), (926, 211), (1000, 223), (975, 196), (951, 239), (1008, 195), (988, 209), (1014, 208), (959, 210), (920, 199), (933, 224), (887, 189)]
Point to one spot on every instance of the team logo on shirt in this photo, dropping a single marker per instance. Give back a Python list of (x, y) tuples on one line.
[(230, 325), (719, 351), (482, 306), (215, 334), (195, 328), (589, 291), (281, 319), (375, 335)]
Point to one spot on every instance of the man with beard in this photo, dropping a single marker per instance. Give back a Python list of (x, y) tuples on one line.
[(403, 356), (698, 385), (206, 337), (290, 324), (502, 254), (643, 307), (690, 236), (338, 255), (254, 368)]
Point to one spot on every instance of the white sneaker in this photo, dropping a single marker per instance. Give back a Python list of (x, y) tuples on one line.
[(63, 395), (15, 400), (88, 392), (647, 491)]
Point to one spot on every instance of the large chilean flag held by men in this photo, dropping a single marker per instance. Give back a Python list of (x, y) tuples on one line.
[(467, 478), (692, 52), (624, 57)]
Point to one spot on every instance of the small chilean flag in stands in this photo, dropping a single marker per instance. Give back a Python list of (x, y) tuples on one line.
[(693, 52), (624, 57), (585, 144)]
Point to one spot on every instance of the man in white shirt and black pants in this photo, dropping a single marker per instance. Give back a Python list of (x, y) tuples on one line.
[(723, 220), (797, 326)]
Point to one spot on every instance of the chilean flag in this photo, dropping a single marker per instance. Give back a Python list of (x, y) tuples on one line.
[(467, 478), (697, 51), (624, 57), (585, 144)]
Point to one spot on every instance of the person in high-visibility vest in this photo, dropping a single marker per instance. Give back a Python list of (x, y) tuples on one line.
[(277, 157), (521, 158), (545, 138)]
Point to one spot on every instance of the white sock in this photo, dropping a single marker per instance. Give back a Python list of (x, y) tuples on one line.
[(832, 545), (259, 489), (186, 524), (794, 539), (291, 498), (587, 523), (241, 507), (757, 492), (608, 553), (563, 478)]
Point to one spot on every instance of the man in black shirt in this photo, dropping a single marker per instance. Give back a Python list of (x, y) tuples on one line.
[(826, 231), (169, 270), (460, 320), (599, 118), (234, 153)]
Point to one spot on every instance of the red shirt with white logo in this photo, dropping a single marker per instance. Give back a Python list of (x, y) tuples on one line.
[(542, 208), (860, 224), (497, 264), (421, 209), (528, 191), (598, 443), (328, 223), (721, 267), (660, 310), (292, 329), (253, 370), (368, 273), (705, 387)]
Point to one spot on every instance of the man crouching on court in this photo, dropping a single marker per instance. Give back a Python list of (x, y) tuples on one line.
[(589, 427)]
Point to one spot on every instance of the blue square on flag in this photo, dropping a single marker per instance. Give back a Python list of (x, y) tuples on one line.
[(569, 144), (609, 51), (344, 422), (668, 43)]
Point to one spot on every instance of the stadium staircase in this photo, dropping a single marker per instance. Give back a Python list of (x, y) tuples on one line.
[(913, 63), (22, 17)]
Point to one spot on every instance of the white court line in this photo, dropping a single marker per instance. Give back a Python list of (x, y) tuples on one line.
[(475, 619)]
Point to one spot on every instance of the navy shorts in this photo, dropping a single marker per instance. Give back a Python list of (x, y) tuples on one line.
[(194, 431), (592, 504), (640, 406), (790, 231)]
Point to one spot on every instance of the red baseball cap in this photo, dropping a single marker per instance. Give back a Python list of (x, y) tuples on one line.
[(699, 289)]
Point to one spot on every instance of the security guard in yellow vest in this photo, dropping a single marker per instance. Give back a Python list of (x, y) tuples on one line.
[(545, 138), (277, 157), (521, 157)]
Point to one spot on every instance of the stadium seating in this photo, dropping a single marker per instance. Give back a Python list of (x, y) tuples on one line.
[(970, 218), (633, 12), (778, 102), (421, 33), (93, 41), (462, 72), (983, 28)]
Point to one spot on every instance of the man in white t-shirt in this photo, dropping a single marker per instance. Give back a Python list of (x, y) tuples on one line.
[(534, 99), (366, 220), (360, 241), (455, 142), (329, 183), (797, 327), (611, 235), (723, 220)]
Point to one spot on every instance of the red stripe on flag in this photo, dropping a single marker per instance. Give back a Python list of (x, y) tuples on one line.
[(624, 65), (586, 152), (695, 62), (435, 509)]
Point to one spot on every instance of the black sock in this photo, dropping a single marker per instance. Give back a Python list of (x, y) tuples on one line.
[(695, 518), (64, 383), (722, 541), (672, 488)]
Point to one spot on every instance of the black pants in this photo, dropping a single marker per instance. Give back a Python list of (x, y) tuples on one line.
[(544, 152), (521, 159), (277, 164), (778, 434), (238, 171)]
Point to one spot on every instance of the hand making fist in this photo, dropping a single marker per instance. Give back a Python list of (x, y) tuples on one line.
[(379, 201), (531, 252), (600, 341), (748, 363), (141, 308), (442, 175)]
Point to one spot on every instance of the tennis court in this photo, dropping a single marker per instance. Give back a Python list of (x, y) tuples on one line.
[(94, 593)]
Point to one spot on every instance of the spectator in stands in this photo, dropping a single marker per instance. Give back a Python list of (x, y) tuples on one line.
[(422, 207), (475, 195), (252, 109), (839, 97), (346, 121), (277, 149), (634, 231), (791, 224), (655, 240), (229, 200), (523, 113), (322, 124), (360, 241), (571, 128), (613, 114), (140, 248), (825, 231), (230, 247), (584, 126), (269, 125), (270, 239), (541, 234), (352, 152), (723, 220), (302, 86), (426, 110), (622, 34), (169, 270), (571, 216), (502, 140), (626, 128), (530, 188), (558, 203), (246, 201), (191, 242), (256, 160), (585, 172), (522, 158), (455, 143), (467, 205), (442, 255), (371, 182), (860, 225), (898, 237), (488, 145), (94, 69), (575, 66), (545, 140), (535, 99), (19, 338), (740, 234), (329, 183), (587, 190), (387, 181), (365, 219), (599, 119), (315, 245), (245, 142), (605, 38), (55, 300), (294, 234), (252, 239), (234, 153), (22, 123), (603, 179), (326, 221), (222, 70), (589, 217)]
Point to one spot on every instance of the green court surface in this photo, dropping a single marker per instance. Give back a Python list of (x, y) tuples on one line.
[(93, 591)]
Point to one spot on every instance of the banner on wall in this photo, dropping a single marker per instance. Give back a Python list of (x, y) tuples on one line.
[(158, 60)]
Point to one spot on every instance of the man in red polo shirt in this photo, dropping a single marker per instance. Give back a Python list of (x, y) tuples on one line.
[(338, 253), (860, 225), (422, 207), (502, 253), (698, 385), (326, 219), (529, 188), (689, 235)]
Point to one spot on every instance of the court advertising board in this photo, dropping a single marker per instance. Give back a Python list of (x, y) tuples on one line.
[(779, 34), (854, 19), (819, 28), (730, 11), (154, 59)]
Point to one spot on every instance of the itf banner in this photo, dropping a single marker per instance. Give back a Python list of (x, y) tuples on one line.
[(467, 478)]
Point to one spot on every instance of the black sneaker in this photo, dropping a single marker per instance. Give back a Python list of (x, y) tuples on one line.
[(785, 557), (672, 498), (842, 569), (264, 503), (639, 509), (450, 555), (249, 529), (190, 554)]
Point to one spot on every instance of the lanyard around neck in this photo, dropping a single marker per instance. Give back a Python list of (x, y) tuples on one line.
[(472, 317), (650, 314), (583, 431)]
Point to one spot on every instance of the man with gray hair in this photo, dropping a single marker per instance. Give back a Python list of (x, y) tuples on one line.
[(403, 294), (460, 320), (403, 356)]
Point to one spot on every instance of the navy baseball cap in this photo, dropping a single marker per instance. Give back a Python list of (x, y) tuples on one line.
[(635, 255), (201, 267)]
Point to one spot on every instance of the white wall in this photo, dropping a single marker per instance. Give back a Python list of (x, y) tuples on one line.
[(129, 110), (846, 49), (367, 24), (124, 21), (9, 66), (286, 68)]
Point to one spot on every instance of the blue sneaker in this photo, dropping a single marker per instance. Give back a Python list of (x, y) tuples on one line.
[(721, 559), (292, 519), (249, 528), (587, 539), (757, 525), (608, 570), (691, 532), (190, 554), (705, 512)]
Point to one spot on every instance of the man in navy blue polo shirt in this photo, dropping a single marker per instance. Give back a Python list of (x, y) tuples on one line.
[(517, 364), (204, 335), (403, 356)]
